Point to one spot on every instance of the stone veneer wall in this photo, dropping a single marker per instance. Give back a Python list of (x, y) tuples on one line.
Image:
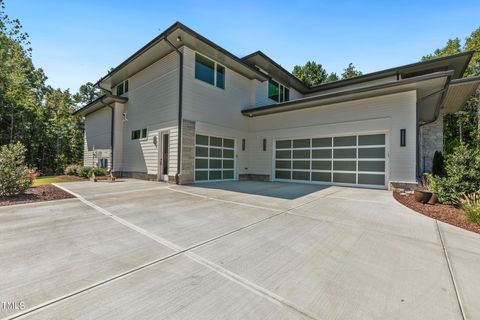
[(188, 152), (431, 140)]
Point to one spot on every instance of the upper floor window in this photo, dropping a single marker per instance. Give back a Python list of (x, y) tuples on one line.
[(122, 88), (277, 91), (139, 134), (209, 71)]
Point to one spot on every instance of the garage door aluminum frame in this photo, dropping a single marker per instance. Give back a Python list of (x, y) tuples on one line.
[(297, 160), (214, 158)]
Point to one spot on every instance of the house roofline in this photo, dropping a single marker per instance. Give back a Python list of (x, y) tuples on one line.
[(274, 107), (98, 101)]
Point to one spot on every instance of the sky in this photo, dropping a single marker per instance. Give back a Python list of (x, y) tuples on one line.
[(77, 41)]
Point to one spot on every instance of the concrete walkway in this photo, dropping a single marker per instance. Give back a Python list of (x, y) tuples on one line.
[(237, 250)]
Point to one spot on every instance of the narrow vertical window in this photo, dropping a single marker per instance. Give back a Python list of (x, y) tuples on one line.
[(120, 89), (125, 89), (273, 90), (204, 69), (220, 77)]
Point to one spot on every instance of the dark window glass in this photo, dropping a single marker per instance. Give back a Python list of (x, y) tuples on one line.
[(282, 93), (215, 153), (273, 90), (301, 143), (321, 165), (203, 140), (287, 94), (228, 174), (344, 153), (283, 164), (216, 142), (215, 175), (371, 153), (283, 154), (120, 89), (144, 133), (228, 164), (126, 86), (302, 164), (135, 134), (345, 141), (373, 166), (220, 77), (283, 175), (204, 69), (284, 144), (227, 153), (322, 154), (301, 154), (344, 177), (300, 175), (228, 143), (376, 179), (321, 176), (201, 163), (201, 152), (322, 142), (345, 165), (201, 175), (372, 139), (215, 164)]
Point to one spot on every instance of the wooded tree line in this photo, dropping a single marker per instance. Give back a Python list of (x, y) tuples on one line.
[(461, 127), (37, 115)]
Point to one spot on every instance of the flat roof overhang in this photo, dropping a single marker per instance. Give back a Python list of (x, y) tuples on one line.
[(430, 91), (99, 103), (159, 48), (459, 91)]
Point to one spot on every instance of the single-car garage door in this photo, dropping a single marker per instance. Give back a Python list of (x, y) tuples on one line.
[(214, 158), (349, 160)]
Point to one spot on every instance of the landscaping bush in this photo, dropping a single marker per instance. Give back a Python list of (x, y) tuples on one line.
[(462, 169), (470, 204), (14, 175), (99, 171), (85, 172), (72, 170)]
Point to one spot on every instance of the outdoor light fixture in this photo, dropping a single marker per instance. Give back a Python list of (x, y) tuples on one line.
[(179, 39), (264, 144), (403, 137), (243, 144)]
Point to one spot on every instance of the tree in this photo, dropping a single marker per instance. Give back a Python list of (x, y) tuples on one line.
[(350, 72), (451, 47), (311, 73), (332, 77), (86, 93)]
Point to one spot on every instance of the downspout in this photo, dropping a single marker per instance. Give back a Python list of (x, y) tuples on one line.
[(180, 95)]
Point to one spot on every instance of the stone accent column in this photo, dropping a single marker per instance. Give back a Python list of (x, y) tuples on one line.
[(188, 152), (431, 140)]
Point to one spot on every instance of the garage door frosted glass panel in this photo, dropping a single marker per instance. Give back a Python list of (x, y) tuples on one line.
[(371, 153), (201, 163), (301, 154), (201, 175), (203, 140), (284, 144), (321, 142), (300, 175), (322, 154), (215, 164), (228, 143), (322, 176), (228, 164), (345, 153), (345, 141), (344, 177), (215, 175), (216, 142), (227, 153), (283, 154), (201, 152), (345, 165), (374, 179), (301, 143), (228, 174), (372, 166), (283, 175), (301, 165), (283, 164), (215, 153), (321, 165), (370, 140)]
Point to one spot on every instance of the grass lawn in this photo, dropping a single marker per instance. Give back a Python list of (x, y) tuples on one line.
[(52, 179)]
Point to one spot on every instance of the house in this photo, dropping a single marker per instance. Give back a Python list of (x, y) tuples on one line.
[(183, 109)]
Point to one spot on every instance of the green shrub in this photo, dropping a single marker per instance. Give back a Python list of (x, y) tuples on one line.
[(85, 172), (438, 168), (462, 169), (72, 170), (472, 212), (14, 177), (99, 171)]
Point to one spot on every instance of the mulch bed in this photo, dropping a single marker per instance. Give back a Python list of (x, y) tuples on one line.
[(441, 212), (44, 192)]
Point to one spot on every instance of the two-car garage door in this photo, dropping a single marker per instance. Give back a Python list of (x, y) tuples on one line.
[(350, 160)]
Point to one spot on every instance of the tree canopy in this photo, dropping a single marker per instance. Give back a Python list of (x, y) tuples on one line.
[(311, 73), (350, 72)]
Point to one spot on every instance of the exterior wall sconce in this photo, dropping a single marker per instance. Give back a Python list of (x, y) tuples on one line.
[(264, 144), (243, 144), (403, 137)]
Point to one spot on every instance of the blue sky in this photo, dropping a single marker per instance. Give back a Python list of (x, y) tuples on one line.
[(78, 41)]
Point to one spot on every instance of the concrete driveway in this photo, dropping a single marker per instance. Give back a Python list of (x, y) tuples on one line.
[(238, 250)]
